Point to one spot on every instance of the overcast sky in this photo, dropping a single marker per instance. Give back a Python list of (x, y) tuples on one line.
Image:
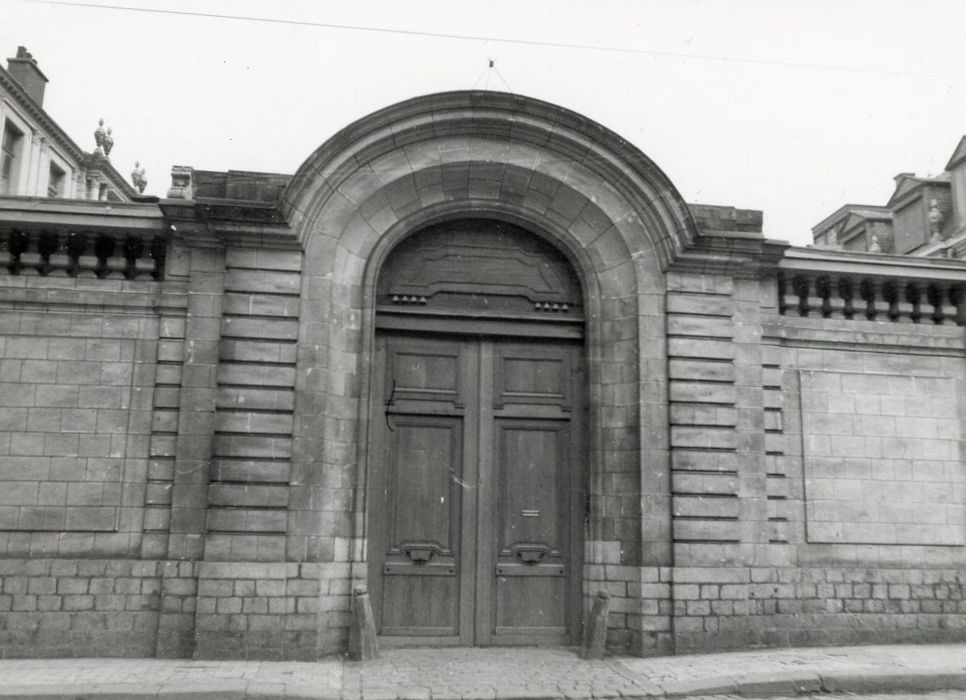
[(792, 107)]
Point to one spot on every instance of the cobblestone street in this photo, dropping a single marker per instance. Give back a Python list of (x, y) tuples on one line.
[(495, 674)]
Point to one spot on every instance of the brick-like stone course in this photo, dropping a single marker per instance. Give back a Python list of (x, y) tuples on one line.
[(272, 610), (63, 607), (740, 608)]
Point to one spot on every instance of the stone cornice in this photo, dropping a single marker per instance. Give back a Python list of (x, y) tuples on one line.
[(208, 222), (820, 261), (81, 214), (733, 253)]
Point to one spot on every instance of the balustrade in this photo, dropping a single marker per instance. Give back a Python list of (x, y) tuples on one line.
[(898, 300), (82, 254)]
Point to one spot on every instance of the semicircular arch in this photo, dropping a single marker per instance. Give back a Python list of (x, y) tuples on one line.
[(580, 187)]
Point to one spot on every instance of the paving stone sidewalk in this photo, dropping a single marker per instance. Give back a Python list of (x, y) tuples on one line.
[(494, 674)]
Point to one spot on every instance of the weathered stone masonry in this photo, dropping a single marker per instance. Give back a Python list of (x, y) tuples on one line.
[(775, 434)]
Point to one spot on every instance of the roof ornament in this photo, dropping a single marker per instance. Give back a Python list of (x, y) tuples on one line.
[(874, 246), (108, 142), (99, 135), (137, 177), (936, 219)]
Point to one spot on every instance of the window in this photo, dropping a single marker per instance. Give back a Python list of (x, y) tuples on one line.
[(55, 182), (12, 140)]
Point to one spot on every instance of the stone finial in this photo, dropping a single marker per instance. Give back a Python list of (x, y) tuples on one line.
[(936, 219), (108, 142), (874, 246), (99, 135), (181, 187), (137, 177)]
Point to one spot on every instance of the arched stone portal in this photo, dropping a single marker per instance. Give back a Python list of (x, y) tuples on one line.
[(477, 492), (608, 208)]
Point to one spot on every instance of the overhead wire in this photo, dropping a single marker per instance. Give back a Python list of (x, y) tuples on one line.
[(495, 39)]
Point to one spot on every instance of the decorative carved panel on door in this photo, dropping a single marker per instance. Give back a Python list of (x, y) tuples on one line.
[(480, 267)]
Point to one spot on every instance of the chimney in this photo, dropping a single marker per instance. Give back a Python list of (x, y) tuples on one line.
[(23, 68)]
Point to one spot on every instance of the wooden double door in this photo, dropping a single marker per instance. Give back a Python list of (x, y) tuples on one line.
[(476, 492)]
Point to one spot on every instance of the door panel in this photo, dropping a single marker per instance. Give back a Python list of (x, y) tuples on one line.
[(418, 515), (421, 588), (532, 560), (475, 492)]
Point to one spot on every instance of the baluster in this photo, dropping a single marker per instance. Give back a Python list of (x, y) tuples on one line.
[(30, 260), (817, 297), (940, 312), (911, 307), (846, 292), (889, 291), (800, 285), (82, 263), (17, 244), (867, 295), (5, 257), (788, 301), (877, 305), (823, 290), (54, 263), (834, 303), (108, 265), (883, 301), (958, 300)]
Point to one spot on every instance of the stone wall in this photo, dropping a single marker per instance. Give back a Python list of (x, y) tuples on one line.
[(816, 478), (79, 607), (741, 608), (774, 434), (77, 364), (849, 516)]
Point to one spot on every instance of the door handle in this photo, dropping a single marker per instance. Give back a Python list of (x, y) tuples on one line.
[(531, 552), (420, 553)]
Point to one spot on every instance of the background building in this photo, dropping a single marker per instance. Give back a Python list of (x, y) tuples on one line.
[(478, 355), (925, 216), (38, 159)]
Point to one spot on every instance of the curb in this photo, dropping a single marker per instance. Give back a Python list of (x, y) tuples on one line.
[(901, 681), (173, 691), (763, 686), (749, 686)]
